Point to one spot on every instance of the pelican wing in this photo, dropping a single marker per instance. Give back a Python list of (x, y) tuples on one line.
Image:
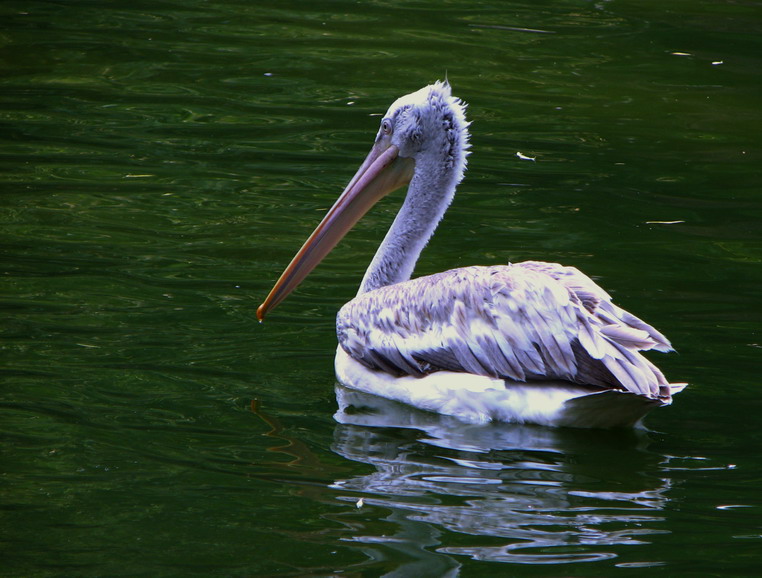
[(527, 321)]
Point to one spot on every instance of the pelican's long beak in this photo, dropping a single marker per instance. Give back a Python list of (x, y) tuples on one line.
[(382, 172)]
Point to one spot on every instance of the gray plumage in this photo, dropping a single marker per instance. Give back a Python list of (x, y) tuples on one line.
[(521, 322)]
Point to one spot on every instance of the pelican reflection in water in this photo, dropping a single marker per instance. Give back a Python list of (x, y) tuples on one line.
[(528, 342)]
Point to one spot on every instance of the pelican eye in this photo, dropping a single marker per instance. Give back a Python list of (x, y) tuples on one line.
[(386, 126)]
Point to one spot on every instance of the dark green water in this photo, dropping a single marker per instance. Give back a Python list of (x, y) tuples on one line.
[(160, 162)]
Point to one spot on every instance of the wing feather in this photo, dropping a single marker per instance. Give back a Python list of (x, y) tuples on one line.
[(519, 322)]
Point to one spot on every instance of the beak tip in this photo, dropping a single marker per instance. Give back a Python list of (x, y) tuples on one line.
[(261, 313)]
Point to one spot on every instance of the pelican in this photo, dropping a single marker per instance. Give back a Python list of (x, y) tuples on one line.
[(528, 342)]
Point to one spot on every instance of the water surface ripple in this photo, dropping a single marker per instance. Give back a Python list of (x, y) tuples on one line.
[(160, 162)]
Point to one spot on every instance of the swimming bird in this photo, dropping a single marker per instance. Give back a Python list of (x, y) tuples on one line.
[(529, 342)]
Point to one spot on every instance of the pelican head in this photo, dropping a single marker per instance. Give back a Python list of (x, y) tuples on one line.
[(430, 127), (422, 138)]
